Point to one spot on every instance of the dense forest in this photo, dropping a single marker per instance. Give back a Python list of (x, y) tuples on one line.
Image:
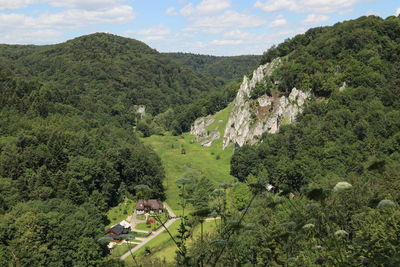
[(68, 152), (118, 73), (337, 168), (224, 68)]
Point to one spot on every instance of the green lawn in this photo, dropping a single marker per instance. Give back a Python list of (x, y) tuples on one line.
[(120, 249), (200, 158), (169, 248), (117, 214), (140, 234), (144, 226), (140, 217), (161, 241)]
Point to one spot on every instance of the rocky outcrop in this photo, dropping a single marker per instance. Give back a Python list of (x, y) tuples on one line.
[(344, 86), (141, 110), (250, 118), (204, 136)]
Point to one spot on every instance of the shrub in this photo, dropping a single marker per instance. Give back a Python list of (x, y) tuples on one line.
[(386, 203), (342, 186)]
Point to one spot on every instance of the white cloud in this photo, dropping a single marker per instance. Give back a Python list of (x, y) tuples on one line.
[(187, 10), (14, 4), (327, 6), (76, 4), (321, 6), (158, 32), (228, 19), (314, 19), (78, 18), (205, 7), (237, 34), (227, 42), (291, 32), (275, 5), (398, 12), (15, 21), (212, 6), (19, 28), (155, 30), (171, 11), (27, 36), (83, 4), (278, 22)]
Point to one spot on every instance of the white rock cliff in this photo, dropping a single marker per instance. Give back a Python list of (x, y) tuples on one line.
[(249, 119), (204, 136)]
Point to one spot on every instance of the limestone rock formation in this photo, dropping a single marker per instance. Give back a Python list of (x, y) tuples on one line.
[(141, 110), (204, 136), (250, 118)]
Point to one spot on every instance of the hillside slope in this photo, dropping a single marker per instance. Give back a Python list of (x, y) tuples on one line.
[(108, 73), (224, 68)]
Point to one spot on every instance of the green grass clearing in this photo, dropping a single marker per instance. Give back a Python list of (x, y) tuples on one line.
[(168, 250), (158, 243), (121, 212), (140, 234), (147, 227), (199, 158), (120, 249), (140, 217)]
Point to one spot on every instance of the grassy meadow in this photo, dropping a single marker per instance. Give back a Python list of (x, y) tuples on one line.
[(212, 161)]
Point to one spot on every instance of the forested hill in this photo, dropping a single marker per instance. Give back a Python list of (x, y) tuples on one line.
[(224, 68), (337, 167), (68, 150), (108, 73)]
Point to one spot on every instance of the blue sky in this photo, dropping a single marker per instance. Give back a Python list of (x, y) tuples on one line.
[(217, 27)]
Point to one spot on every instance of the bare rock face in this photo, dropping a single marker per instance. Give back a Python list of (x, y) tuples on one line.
[(249, 118), (199, 126), (204, 136), (141, 110), (344, 86)]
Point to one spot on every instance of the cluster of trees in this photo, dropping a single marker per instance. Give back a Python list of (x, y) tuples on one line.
[(362, 52), (224, 69), (53, 232), (347, 224)]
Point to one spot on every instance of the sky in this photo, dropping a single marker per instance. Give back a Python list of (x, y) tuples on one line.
[(215, 27)]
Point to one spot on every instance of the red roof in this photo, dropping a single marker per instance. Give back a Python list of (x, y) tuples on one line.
[(152, 204)]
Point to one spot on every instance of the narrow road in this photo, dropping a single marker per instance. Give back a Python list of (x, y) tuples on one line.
[(159, 231), (153, 234)]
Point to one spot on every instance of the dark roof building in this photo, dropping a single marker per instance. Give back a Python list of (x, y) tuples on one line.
[(117, 230)]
